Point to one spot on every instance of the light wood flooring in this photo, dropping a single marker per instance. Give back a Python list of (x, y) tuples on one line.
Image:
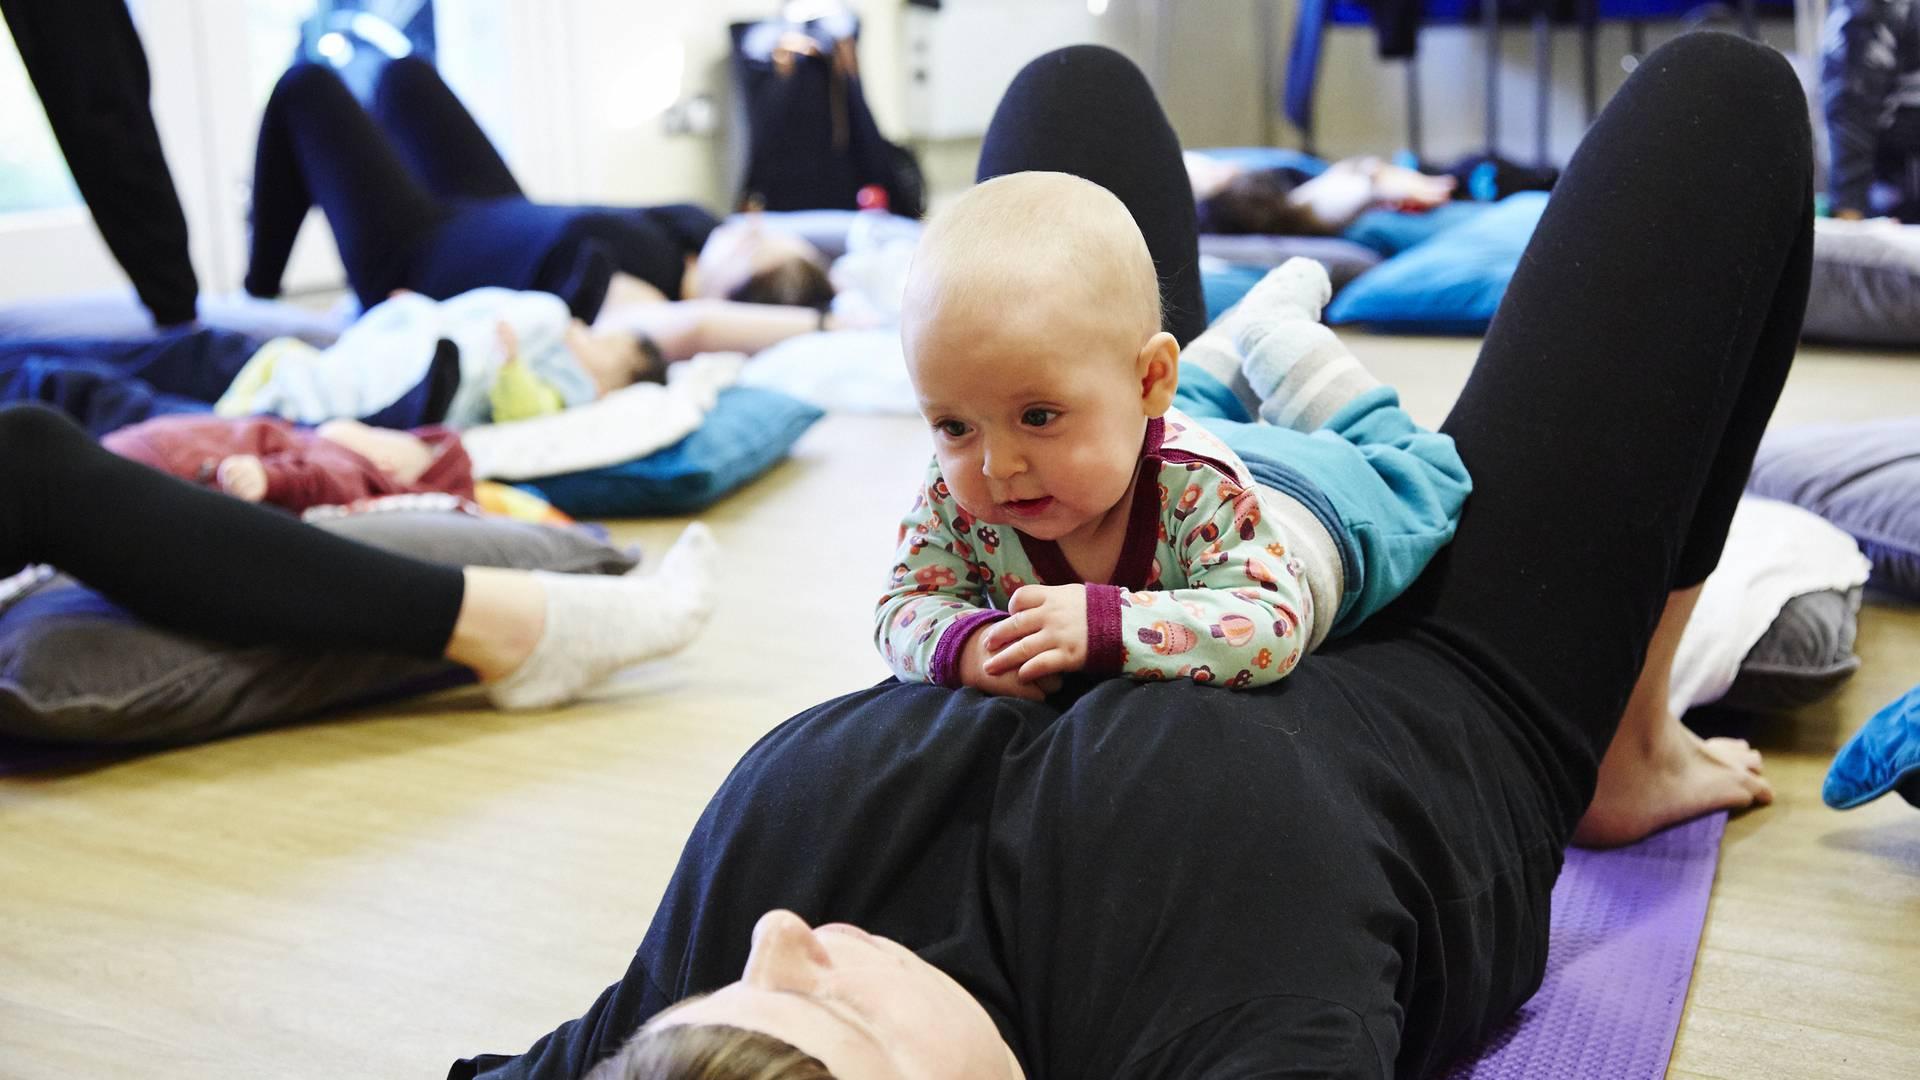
[(378, 895)]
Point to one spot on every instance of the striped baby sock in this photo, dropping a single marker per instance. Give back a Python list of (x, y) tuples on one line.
[(597, 625), (1300, 369)]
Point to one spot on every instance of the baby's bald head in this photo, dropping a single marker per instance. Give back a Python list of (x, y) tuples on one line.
[(1035, 253)]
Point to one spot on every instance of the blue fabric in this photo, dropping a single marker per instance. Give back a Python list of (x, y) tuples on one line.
[(1451, 284), (1223, 286), (1883, 756), (108, 383), (1265, 157), (748, 431), (1395, 488), (1391, 232)]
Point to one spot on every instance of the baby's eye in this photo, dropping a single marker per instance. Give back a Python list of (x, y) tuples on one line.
[(1038, 417), (952, 429)]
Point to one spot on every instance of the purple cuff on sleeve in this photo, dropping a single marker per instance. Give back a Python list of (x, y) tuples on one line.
[(945, 668), (1106, 651)]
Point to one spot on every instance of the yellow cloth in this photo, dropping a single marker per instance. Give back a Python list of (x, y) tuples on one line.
[(258, 372), (518, 394)]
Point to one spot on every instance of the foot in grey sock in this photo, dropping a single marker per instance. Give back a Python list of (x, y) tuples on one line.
[(1302, 371), (597, 625)]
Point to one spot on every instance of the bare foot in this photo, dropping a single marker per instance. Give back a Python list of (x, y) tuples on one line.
[(1647, 784)]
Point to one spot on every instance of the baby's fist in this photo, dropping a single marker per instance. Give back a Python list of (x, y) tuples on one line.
[(243, 477)]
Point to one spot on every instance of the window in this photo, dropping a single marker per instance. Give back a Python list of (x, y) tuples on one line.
[(33, 175)]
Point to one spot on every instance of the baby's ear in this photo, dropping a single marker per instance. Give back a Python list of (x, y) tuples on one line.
[(1159, 367)]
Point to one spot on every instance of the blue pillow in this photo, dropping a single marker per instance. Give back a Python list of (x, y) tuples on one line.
[(748, 431), (1883, 756), (1391, 232), (1452, 283), (1265, 157)]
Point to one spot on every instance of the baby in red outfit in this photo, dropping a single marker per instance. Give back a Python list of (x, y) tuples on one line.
[(265, 459)]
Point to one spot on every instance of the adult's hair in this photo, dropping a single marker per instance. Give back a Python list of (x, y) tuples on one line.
[(797, 282), (709, 1052), (1256, 202)]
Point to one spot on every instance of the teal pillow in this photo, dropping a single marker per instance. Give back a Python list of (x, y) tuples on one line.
[(1391, 232), (1265, 157), (1451, 284), (748, 431)]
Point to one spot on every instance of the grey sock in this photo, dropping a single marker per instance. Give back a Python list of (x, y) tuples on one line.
[(1302, 371)]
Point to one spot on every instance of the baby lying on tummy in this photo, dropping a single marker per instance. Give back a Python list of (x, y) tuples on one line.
[(1072, 520)]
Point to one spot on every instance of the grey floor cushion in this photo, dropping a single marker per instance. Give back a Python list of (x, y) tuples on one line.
[(75, 669), (1866, 283), (1344, 259), (1865, 478), (1806, 654)]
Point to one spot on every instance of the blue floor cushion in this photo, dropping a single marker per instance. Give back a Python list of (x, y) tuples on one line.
[(748, 431), (1450, 284)]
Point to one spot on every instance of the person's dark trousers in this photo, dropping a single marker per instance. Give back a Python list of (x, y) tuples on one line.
[(1612, 417), (86, 63), (200, 562), (1088, 111), (318, 145), (436, 136)]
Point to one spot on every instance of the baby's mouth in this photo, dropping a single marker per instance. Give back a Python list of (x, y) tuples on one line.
[(1029, 507)]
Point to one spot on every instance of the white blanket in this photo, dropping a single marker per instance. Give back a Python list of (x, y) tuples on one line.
[(629, 423), (860, 371), (1775, 551)]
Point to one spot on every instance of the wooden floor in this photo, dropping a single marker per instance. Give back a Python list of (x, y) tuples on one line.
[(378, 895)]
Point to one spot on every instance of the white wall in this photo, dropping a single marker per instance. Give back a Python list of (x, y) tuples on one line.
[(572, 92)]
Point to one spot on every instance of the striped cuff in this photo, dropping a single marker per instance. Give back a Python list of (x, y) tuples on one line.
[(945, 666), (1106, 650)]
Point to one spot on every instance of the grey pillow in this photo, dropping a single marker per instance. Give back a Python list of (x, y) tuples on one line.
[(1866, 284), (1864, 477), (117, 313), (1804, 656), (75, 669), (1344, 259)]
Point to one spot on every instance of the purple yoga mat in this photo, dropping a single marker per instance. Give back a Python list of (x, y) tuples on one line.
[(1626, 926)]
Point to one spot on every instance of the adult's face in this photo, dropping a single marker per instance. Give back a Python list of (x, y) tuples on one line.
[(867, 1007)]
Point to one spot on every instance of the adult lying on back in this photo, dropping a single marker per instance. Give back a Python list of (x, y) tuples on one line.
[(1344, 874), (419, 200)]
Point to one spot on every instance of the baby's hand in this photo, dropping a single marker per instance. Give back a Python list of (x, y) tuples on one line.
[(1047, 635), (243, 477), (973, 672)]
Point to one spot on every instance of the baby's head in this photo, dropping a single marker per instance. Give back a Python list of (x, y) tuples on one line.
[(615, 358), (1032, 334)]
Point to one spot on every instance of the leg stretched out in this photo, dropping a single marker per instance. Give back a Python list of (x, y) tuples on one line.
[(214, 566)]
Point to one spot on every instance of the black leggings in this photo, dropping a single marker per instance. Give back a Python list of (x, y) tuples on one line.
[(420, 200), (1354, 865), (204, 563), (1622, 390)]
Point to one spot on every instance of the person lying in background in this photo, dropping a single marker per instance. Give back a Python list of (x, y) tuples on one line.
[(419, 200), (1233, 199), (268, 460)]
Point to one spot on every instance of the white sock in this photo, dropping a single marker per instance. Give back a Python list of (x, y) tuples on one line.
[(1302, 371), (597, 625)]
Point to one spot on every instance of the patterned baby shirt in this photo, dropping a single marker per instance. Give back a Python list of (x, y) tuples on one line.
[(1207, 587)]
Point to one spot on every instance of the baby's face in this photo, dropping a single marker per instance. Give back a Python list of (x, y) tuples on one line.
[(1037, 414)]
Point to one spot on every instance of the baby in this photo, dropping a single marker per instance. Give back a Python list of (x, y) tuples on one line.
[(265, 459), (516, 355), (1073, 520)]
